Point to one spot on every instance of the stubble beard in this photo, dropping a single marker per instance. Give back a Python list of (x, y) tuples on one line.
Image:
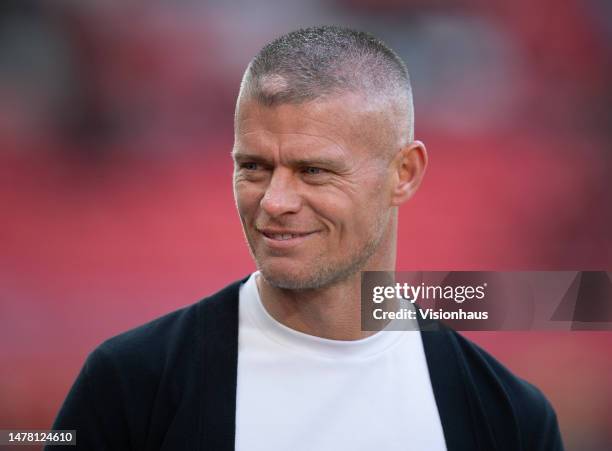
[(324, 273)]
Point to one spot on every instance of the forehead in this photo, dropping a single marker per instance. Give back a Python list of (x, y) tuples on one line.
[(342, 124)]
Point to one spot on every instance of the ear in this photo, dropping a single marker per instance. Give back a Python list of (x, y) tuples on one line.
[(409, 164)]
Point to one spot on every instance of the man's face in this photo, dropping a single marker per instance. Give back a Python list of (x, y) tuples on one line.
[(312, 187)]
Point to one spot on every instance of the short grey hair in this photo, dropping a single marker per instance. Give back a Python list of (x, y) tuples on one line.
[(319, 62)]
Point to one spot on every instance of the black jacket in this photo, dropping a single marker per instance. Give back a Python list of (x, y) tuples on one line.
[(171, 385)]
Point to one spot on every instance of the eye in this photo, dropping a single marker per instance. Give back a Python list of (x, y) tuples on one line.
[(249, 166), (312, 170)]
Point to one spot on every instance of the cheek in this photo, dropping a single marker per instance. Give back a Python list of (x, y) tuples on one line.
[(342, 214), (247, 198), (358, 218)]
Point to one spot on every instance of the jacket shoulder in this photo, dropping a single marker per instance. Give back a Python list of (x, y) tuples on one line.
[(153, 341), (514, 407), (164, 340), (137, 384)]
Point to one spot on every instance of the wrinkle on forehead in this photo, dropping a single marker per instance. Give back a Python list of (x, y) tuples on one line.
[(309, 135), (290, 147)]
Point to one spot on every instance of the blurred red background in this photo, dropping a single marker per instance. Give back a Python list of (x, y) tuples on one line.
[(115, 177)]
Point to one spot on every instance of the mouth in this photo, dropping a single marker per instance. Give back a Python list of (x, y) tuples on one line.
[(283, 236), (284, 239)]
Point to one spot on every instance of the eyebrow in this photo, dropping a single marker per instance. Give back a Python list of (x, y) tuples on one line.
[(330, 163), (242, 157)]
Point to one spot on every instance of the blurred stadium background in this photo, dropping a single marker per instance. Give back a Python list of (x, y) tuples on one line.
[(115, 176)]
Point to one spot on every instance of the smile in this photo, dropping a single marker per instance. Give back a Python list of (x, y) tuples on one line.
[(284, 236), (284, 239)]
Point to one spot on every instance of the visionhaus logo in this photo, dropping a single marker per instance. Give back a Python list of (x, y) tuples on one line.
[(485, 300)]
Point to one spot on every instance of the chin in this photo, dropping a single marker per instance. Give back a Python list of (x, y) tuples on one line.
[(303, 277), (283, 276)]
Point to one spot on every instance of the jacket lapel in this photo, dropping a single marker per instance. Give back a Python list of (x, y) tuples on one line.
[(218, 368), (450, 392)]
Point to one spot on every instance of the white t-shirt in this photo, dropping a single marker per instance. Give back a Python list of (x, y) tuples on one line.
[(301, 392)]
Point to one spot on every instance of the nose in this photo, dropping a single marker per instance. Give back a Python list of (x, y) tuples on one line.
[(281, 196)]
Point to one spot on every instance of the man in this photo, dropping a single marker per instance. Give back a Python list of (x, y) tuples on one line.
[(324, 156)]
